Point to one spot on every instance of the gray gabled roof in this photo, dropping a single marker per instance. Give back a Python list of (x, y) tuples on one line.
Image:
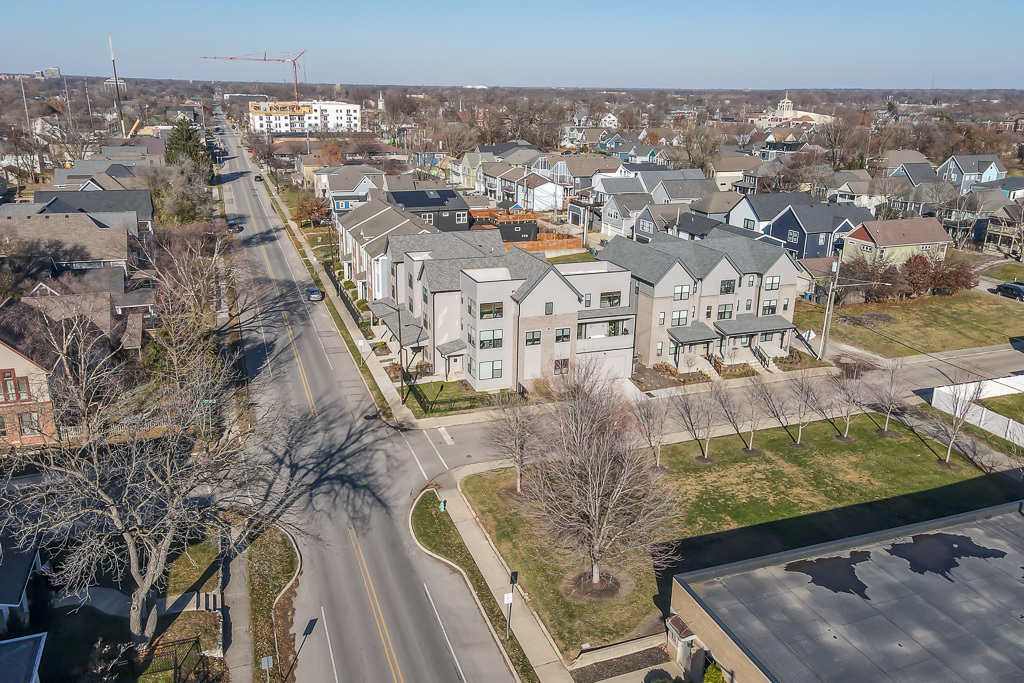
[(749, 323), (371, 224), (719, 202), (693, 224), (107, 201), (19, 657), (450, 245), (919, 173), (694, 333), (621, 185), (976, 163), (650, 179), (688, 189), (632, 201), (768, 206), (818, 218), (15, 567)]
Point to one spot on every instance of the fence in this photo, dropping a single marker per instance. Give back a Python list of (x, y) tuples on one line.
[(183, 659), (548, 242), (947, 397)]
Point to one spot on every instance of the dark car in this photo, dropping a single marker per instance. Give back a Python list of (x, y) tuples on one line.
[(233, 226), (1014, 290), (314, 294), (257, 177)]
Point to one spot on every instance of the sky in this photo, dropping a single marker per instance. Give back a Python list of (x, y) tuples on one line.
[(596, 44)]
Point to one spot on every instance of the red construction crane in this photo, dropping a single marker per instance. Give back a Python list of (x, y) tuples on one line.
[(254, 57)]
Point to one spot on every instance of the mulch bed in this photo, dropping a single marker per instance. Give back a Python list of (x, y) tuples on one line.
[(620, 665), (648, 379)]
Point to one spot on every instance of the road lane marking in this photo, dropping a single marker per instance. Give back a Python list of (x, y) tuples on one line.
[(413, 451), (440, 623), (330, 648), (446, 436), (284, 317), (385, 636), (427, 434)]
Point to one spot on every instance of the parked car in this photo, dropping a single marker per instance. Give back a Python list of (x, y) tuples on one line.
[(257, 177), (233, 226), (314, 294), (1013, 290)]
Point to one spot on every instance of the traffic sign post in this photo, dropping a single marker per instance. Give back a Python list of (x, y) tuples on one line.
[(267, 663), (513, 579)]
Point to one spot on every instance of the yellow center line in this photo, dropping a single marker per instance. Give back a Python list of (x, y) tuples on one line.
[(385, 636), (284, 316)]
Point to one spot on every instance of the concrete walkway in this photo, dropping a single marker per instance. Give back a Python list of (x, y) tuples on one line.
[(534, 638), (238, 651), (117, 604)]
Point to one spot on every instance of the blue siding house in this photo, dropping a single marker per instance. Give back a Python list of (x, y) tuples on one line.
[(967, 170), (812, 230)]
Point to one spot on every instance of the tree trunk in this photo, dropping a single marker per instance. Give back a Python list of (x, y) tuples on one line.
[(519, 478), (595, 572), (846, 434), (750, 445), (799, 432), (657, 457), (886, 427), (135, 619), (949, 449), (707, 447)]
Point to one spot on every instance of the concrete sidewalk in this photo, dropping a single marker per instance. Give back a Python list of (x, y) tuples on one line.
[(238, 652), (534, 638)]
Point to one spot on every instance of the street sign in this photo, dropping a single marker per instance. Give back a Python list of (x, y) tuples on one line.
[(513, 578), (359, 343), (508, 598), (267, 663)]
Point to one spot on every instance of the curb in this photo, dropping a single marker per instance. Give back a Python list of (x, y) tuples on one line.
[(469, 585)]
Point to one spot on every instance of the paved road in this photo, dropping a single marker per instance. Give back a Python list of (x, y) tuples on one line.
[(370, 606)]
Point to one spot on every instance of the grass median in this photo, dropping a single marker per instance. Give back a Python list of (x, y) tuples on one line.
[(742, 506), (272, 564), (436, 531)]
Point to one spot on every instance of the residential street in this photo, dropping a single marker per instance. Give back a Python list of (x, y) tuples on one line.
[(362, 611)]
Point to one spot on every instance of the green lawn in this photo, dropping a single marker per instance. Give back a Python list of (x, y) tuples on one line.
[(272, 563), (798, 359), (927, 324), (972, 256), (742, 506), (436, 531), (1011, 405), (1007, 272), (195, 570), (446, 397), (580, 257)]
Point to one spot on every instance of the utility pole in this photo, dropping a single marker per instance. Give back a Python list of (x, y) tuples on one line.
[(24, 101), (117, 88), (88, 103), (67, 101)]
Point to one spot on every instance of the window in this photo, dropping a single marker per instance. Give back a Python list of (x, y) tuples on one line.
[(490, 339), (771, 283), (617, 327), (561, 334), (14, 388), (549, 308), (769, 306), (745, 340), (424, 295), (728, 286), (489, 311), (471, 366), (28, 423), (661, 318), (748, 223), (561, 366), (750, 281), (636, 286), (410, 282), (471, 308), (725, 311), (681, 293), (461, 217), (679, 318), (866, 247), (926, 247), (533, 338), (767, 336), (586, 300), (793, 236), (785, 304), (471, 335), (611, 299), (660, 348), (749, 304), (428, 218), (707, 313), (490, 369), (426, 319), (821, 239)]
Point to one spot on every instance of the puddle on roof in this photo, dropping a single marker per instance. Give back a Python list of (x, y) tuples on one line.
[(940, 553), (837, 574)]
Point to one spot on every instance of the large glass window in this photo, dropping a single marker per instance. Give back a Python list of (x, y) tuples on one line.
[(725, 312), (489, 311), (769, 306), (561, 334), (679, 318), (728, 286), (611, 299), (533, 338), (793, 236), (28, 423), (471, 308), (771, 283), (490, 369), (561, 366), (681, 293), (490, 339), (14, 388), (549, 308)]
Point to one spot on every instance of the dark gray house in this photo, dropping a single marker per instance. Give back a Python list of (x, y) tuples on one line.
[(812, 230), (446, 210)]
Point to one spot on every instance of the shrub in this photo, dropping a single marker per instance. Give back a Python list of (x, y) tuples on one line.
[(362, 305), (665, 367), (713, 674), (328, 264), (348, 284)]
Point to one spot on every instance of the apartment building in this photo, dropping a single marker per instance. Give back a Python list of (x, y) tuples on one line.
[(504, 319), (708, 296), (299, 117)]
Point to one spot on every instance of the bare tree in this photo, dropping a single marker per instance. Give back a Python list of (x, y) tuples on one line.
[(728, 405), (456, 138), (698, 144), (650, 420), (698, 413), (963, 394), (756, 402), (836, 136), (596, 494), (890, 388), (847, 397), (803, 392), (514, 433)]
